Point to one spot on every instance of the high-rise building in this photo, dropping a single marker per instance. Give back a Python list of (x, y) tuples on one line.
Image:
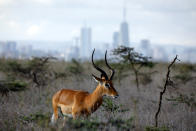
[(85, 42), (2, 47), (145, 48), (116, 39), (10, 50), (75, 48), (124, 30), (10, 46)]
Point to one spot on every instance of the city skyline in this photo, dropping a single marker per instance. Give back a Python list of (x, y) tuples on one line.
[(163, 22)]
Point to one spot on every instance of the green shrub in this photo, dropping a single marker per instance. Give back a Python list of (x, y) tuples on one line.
[(109, 106), (7, 86), (75, 67), (93, 124), (41, 119), (83, 124), (189, 100), (185, 68), (121, 124), (184, 77), (185, 72), (152, 128)]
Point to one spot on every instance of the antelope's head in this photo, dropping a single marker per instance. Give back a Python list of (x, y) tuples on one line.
[(104, 82)]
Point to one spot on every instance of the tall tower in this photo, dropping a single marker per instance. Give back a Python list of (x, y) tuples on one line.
[(86, 40), (124, 30)]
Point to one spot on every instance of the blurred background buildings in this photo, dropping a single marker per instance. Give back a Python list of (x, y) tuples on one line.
[(80, 46)]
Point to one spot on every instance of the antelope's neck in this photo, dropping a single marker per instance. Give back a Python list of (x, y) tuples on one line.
[(96, 98)]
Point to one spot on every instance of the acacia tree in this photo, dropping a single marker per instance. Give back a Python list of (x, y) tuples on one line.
[(134, 59), (39, 70)]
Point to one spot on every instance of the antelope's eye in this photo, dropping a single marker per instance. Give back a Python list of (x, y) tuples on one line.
[(107, 85)]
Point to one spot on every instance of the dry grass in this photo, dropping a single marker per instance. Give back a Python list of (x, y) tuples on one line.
[(31, 109)]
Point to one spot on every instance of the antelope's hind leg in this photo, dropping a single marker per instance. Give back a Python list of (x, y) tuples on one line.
[(55, 114), (66, 111)]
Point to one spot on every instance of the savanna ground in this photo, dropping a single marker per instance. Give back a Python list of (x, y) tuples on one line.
[(134, 109)]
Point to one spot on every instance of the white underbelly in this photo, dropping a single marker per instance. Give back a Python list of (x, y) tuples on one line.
[(66, 110)]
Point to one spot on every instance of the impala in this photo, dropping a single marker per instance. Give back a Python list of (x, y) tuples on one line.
[(75, 103)]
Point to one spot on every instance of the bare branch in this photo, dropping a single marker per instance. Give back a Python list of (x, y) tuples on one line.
[(164, 89)]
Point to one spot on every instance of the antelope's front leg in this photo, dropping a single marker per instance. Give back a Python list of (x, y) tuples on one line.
[(76, 113)]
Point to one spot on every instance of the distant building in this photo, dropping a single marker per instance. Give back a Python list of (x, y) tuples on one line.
[(86, 41), (189, 55), (116, 39), (145, 44), (76, 41), (146, 47), (76, 47), (10, 50), (124, 30), (159, 54), (26, 52), (2, 47), (124, 34), (11, 46), (106, 46), (71, 53)]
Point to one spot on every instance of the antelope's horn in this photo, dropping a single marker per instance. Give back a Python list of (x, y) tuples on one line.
[(111, 70), (99, 69)]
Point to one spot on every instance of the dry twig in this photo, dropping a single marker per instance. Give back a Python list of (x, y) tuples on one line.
[(164, 89)]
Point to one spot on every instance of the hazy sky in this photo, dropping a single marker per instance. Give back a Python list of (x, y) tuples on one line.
[(161, 21)]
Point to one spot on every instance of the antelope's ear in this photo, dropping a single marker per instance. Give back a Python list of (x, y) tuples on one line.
[(96, 78)]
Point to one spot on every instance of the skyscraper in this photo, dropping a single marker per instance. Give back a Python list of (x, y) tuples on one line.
[(124, 30), (10, 46), (85, 41), (116, 39)]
